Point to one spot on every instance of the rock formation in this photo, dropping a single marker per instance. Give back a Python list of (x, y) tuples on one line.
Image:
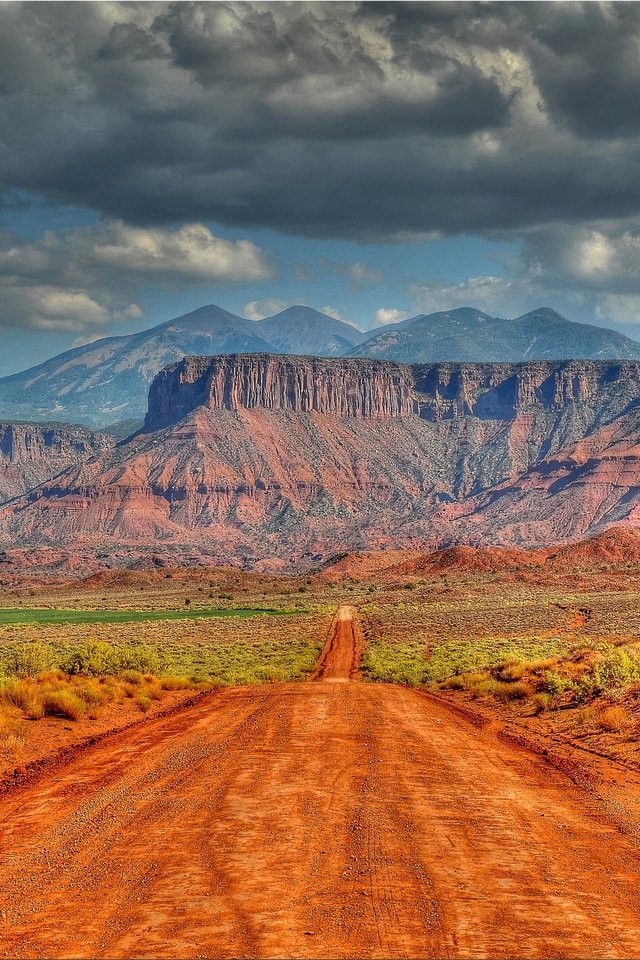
[(32, 453), (288, 460), (372, 389), (342, 388)]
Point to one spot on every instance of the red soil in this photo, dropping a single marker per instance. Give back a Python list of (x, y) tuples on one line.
[(614, 547), (321, 819)]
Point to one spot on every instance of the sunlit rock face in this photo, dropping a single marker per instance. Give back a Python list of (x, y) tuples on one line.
[(255, 458), (343, 388), (371, 389)]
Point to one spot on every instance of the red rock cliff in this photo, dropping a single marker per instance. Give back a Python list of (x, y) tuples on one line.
[(373, 389), (31, 453), (363, 389)]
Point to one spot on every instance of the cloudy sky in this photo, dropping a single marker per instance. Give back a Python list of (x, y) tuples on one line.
[(373, 160)]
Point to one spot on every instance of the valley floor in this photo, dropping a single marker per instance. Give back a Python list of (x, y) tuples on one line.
[(328, 818)]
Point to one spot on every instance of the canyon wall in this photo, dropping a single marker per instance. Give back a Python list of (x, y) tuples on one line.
[(338, 387), (256, 458), (370, 389), (31, 453), (498, 391)]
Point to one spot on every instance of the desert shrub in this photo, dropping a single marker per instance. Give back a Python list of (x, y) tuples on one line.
[(12, 730), (63, 703), (131, 676), (613, 719), (92, 658), (512, 671), (92, 694), (144, 659), (453, 683), (513, 691), (554, 683), (585, 689), (540, 666), (175, 683), (22, 694), (541, 702), (28, 659), (143, 702), (154, 691), (99, 657), (481, 686), (51, 676), (616, 668)]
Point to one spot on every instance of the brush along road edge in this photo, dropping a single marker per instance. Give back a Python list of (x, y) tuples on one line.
[(321, 819)]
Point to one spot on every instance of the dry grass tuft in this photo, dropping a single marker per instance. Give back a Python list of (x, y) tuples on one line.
[(63, 703), (613, 719), (55, 694), (12, 730), (175, 683)]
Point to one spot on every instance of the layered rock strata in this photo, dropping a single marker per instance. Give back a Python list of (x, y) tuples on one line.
[(370, 389), (31, 453), (256, 458)]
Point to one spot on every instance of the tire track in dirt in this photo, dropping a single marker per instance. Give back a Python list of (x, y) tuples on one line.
[(326, 819), (341, 654)]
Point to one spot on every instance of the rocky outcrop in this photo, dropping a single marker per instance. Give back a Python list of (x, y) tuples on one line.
[(370, 389), (342, 388), (251, 456), (497, 391), (32, 453)]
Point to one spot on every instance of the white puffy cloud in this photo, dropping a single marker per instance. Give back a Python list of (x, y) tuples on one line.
[(390, 315), (54, 308), (602, 256), (259, 309), (190, 253), (621, 309), (89, 276)]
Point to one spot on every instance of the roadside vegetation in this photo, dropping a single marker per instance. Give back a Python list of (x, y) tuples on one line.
[(536, 650), (76, 672)]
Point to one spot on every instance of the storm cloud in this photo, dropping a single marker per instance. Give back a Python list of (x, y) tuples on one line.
[(370, 121)]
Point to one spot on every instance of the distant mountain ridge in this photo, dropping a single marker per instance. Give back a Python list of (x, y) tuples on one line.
[(105, 382), (471, 336)]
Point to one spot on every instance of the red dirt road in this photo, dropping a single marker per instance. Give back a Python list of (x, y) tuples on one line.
[(321, 819)]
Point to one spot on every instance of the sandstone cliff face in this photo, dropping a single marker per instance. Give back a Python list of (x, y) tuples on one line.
[(342, 388), (297, 459), (32, 453), (497, 391), (370, 389)]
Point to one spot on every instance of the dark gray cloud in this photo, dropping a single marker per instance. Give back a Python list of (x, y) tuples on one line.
[(371, 120)]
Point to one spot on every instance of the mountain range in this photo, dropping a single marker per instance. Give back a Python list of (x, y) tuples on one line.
[(106, 382), (284, 461)]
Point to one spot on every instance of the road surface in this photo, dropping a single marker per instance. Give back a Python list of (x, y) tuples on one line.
[(333, 818)]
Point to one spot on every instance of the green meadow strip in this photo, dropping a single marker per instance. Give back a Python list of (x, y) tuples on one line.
[(16, 615)]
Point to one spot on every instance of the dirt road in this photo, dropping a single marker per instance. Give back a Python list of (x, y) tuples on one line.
[(320, 819)]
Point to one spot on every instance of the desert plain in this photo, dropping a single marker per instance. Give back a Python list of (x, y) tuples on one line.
[(395, 755)]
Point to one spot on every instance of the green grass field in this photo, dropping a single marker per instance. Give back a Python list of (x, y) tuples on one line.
[(17, 615)]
